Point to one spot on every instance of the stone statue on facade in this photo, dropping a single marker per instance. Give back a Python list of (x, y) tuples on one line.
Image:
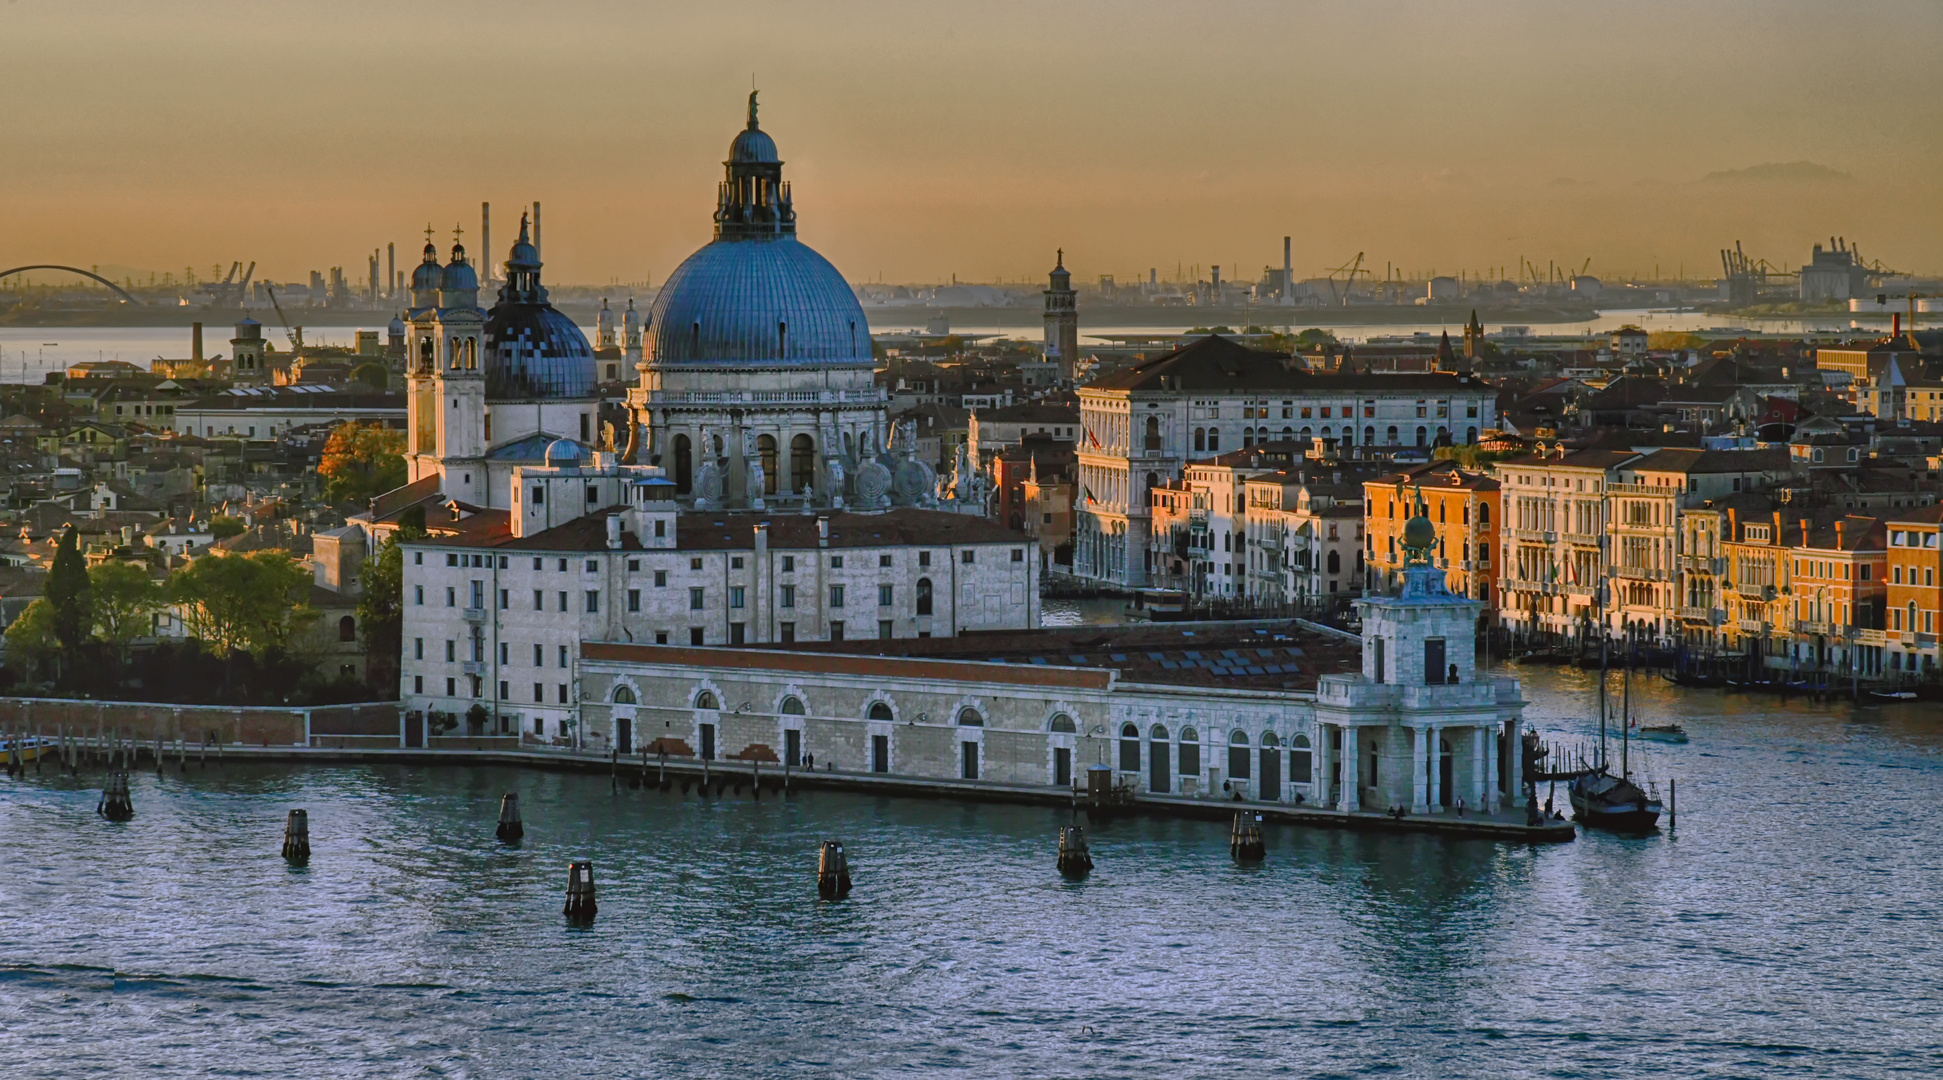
[(914, 482), (708, 474), (757, 476)]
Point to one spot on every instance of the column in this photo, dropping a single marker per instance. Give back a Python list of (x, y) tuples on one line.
[(1491, 796), (1478, 781), (1352, 772), (1419, 783), (1319, 761), (1517, 785), (1435, 749)]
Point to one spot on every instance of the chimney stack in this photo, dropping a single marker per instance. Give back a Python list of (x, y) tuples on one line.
[(822, 532), (195, 341), (537, 250), (613, 532), (485, 244)]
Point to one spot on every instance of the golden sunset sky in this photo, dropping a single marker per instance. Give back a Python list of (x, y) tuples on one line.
[(926, 140)]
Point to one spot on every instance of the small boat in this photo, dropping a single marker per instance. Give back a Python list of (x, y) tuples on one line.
[(1601, 800), (1894, 695), (1672, 733), (29, 748)]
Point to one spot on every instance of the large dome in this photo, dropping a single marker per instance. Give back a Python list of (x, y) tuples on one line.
[(532, 350), (759, 302)]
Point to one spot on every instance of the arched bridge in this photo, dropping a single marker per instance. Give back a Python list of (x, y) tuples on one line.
[(118, 291)]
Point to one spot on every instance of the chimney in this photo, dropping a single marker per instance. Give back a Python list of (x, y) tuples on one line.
[(195, 341), (1288, 286), (537, 250), (1804, 532), (485, 243), (1838, 535), (613, 532), (822, 532), (1733, 525), (1777, 527)]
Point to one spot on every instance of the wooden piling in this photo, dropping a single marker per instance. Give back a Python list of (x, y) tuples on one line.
[(832, 871), (1245, 838), (296, 837), (1672, 803), (511, 829), (1075, 861), (580, 909), (115, 804)]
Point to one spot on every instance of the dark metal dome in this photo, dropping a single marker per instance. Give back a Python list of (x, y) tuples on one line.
[(532, 350), (761, 302)]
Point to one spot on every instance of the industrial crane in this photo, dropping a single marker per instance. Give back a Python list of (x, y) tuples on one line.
[(296, 335), (1349, 270)]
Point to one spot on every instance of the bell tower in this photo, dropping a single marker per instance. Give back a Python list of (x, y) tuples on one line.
[(449, 398), (1062, 319)]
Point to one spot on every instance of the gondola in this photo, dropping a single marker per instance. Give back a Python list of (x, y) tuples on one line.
[(1601, 800)]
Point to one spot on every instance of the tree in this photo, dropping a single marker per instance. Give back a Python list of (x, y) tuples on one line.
[(362, 461), (222, 528), (125, 598), (248, 603), (381, 614), (69, 597), (31, 644), (372, 375)]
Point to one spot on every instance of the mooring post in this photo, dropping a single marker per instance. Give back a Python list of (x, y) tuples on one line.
[(832, 871), (1075, 861), (510, 828), (1245, 838), (1672, 803), (580, 907), (116, 805), (296, 837)]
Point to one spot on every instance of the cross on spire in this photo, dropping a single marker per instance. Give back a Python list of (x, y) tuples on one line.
[(458, 231), (428, 232)]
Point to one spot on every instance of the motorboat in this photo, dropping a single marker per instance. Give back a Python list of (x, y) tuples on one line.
[(1669, 733)]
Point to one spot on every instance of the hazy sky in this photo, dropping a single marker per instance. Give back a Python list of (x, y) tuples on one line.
[(926, 140)]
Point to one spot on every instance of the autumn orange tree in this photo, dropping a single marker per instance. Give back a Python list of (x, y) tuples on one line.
[(361, 461)]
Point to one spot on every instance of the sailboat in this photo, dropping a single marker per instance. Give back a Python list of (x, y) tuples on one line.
[(1601, 800)]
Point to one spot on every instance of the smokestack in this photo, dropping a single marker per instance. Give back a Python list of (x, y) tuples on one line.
[(1895, 324), (391, 269), (1216, 286), (1288, 289), (485, 242), (195, 341), (537, 249)]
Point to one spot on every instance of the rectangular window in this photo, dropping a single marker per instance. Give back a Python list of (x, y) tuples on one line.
[(968, 557), (788, 598), (735, 563), (505, 690), (836, 562), (418, 684), (562, 656), (539, 600), (735, 633), (451, 687), (563, 599), (593, 601), (661, 637), (539, 655), (836, 596), (787, 632), (633, 566), (694, 635), (505, 599), (1434, 661), (418, 648), (562, 567), (883, 560), (697, 598), (836, 631), (451, 596), (418, 558), (562, 688), (661, 579), (735, 596), (884, 629), (505, 652), (451, 559), (592, 566), (694, 564), (634, 599), (924, 558), (970, 748), (1018, 554), (451, 650), (539, 563), (418, 594), (883, 596)]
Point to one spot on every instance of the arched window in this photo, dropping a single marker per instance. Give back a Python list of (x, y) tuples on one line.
[(793, 707), (1153, 433), (1393, 434), (706, 700), (347, 628), (924, 596), (1288, 434), (970, 718), (1335, 562), (1269, 741), (623, 695), (1349, 435), (1214, 440), (1484, 514), (684, 465), (879, 710), (1129, 748), (1238, 756), (1200, 438), (1325, 431), (1190, 752), (1423, 436), (802, 463), (1062, 724), (1247, 437), (766, 453), (1369, 435), (1470, 435), (1300, 769), (1158, 734)]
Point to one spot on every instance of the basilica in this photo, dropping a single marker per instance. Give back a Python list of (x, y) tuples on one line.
[(755, 385), (753, 492)]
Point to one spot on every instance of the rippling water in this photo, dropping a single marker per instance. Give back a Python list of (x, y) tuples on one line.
[(1786, 928)]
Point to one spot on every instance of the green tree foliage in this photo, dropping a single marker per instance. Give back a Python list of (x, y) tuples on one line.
[(31, 645), (69, 596), (222, 528), (381, 614), (125, 598), (372, 375), (247, 603), (362, 461)]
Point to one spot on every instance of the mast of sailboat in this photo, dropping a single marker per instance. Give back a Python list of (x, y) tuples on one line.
[(1626, 709), (1603, 643)]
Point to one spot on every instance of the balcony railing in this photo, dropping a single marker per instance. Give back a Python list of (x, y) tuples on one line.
[(1698, 614), (475, 614)]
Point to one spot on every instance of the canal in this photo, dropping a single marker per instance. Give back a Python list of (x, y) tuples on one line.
[(1787, 927)]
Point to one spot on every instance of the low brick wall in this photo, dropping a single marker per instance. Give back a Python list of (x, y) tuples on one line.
[(366, 724)]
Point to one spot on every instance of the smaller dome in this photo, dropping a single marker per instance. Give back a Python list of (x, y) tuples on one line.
[(459, 273), (1419, 533), (396, 327), (429, 274), (753, 145), (562, 453)]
